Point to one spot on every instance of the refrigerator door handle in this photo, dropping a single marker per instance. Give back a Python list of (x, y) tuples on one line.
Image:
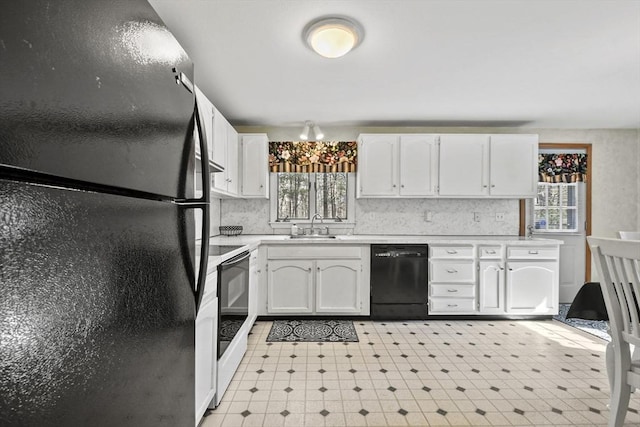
[(201, 203)]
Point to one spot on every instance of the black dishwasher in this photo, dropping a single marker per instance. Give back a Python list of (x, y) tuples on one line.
[(399, 282)]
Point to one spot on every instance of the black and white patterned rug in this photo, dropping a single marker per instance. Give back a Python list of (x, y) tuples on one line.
[(593, 327), (312, 331)]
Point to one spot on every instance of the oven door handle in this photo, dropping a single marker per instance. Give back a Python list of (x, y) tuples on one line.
[(236, 259)]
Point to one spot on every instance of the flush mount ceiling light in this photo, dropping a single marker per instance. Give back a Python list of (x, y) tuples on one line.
[(308, 125), (333, 36)]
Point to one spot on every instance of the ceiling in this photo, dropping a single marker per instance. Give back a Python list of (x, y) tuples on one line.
[(519, 63)]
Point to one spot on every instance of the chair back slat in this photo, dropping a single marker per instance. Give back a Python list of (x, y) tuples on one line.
[(617, 264)]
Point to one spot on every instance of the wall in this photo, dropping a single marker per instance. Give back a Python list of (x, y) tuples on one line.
[(615, 190)]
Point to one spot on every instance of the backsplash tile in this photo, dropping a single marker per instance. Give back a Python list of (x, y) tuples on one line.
[(396, 216)]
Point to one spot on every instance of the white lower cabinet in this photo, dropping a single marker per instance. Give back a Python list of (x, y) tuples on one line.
[(452, 280), (206, 348), (290, 286), (532, 287), (491, 283), (316, 280), (338, 286)]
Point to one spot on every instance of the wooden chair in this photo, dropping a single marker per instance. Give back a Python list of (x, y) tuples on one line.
[(618, 266)]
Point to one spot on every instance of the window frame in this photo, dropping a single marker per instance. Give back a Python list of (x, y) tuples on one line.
[(560, 207), (347, 222)]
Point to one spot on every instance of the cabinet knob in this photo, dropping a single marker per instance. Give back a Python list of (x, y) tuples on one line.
[(452, 271), (402, 186), (493, 185), (318, 268), (484, 186), (452, 290), (309, 269), (261, 186), (394, 186)]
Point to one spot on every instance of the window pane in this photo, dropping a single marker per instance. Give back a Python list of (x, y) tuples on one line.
[(541, 198), (572, 193), (554, 195), (554, 219), (331, 195), (570, 219), (540, 219), (293, 195)]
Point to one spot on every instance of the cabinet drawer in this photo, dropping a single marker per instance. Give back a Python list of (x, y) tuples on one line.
[(450, 251), (490, 252), (314, 252), (452, 290), (451, 305), (452, 271), (531, 252)]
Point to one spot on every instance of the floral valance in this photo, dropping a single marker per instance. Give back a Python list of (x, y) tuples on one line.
[(558, 167), (318, 156)]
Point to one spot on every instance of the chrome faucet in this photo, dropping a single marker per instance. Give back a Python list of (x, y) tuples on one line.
[(316, 216)]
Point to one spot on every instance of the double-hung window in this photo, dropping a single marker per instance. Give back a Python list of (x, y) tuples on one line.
[(300, 196), (556, 207)]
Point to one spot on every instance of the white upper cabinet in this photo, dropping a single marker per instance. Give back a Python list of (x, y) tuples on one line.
[(225, 153), (464, 165), (377, 166), (205, 108), (220, 126), (514, 165), (394, 165), (254, 165), (488, 165), (418, 165)]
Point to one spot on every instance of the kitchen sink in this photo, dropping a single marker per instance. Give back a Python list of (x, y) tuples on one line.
[(312, 236)]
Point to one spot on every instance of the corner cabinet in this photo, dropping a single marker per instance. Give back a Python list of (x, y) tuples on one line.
[(304, 279), (254, 149), (392, 165)]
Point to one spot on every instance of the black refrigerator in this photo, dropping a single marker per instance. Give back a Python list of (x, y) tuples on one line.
[(98, 282)]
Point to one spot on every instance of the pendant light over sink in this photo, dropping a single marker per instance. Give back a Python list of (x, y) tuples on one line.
[(333, 36)]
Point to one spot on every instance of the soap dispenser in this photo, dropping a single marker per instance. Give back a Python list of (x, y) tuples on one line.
[(294, 230)]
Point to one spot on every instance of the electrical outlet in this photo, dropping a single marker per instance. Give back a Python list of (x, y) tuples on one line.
[(428, 216), (476, 216), (499, 216)]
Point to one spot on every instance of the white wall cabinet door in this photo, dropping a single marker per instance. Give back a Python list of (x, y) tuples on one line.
[(206, 109), (338, 286), (206, 356), (514, 165), (491, 283), (290, 286), (531, 287), (377, 166), (418, 165), (464, 165), (219, 154), (254, 165), (231, 170)]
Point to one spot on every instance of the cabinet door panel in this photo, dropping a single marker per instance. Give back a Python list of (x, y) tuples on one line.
[(377, 158), (255, 174), (231, 169), (464, 169), (290, 283), (514, 165), (338, 286), (491, 287), (418, 164), (532, 287), (206, 353)]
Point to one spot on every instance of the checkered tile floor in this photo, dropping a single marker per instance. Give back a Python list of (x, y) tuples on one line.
[(424, 373)]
